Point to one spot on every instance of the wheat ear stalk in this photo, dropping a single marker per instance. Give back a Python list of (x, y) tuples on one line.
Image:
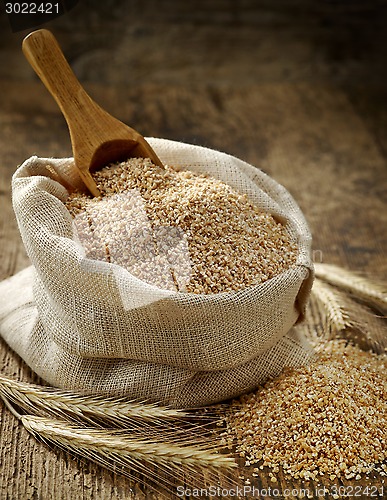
[(367, 330), (369, 291), (106, 441), (329, 303), (341, 314), (116, 410)]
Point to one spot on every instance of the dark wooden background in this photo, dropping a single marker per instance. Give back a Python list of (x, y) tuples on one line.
[(298, 88)]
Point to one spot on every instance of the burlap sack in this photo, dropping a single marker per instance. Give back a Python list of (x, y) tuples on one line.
[(90, 325)]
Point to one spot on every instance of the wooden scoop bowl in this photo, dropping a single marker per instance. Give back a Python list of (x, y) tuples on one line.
[(96, 137)]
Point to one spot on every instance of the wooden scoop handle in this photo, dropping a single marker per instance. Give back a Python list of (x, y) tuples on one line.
[(46, 58)]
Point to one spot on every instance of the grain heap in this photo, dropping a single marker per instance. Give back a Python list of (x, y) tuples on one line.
[(329, 417), (230, 243)]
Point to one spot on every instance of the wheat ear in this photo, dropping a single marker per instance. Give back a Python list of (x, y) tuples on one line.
[(329, 303), (367, 330), (115, 410), (369, 291), (138, 459), (108, 441), (340, 312)]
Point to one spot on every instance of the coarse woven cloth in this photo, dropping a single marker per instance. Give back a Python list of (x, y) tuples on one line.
[(89, 325)]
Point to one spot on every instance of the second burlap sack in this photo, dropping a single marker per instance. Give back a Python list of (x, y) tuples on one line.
[(89, 325)]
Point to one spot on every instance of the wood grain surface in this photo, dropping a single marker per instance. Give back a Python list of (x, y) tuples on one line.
[(297, 91)]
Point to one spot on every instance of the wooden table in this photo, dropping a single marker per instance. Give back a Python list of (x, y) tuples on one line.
[(315, 123)]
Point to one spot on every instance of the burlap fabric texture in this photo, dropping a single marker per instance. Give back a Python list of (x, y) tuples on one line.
[(91, 326)]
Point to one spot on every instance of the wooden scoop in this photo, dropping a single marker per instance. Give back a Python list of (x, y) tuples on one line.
[(96, 137)]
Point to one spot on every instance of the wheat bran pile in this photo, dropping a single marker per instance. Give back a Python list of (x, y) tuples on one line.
[(180, 230), (328, 418)]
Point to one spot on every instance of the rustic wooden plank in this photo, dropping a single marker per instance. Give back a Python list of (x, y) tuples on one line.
[(308, 137)]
